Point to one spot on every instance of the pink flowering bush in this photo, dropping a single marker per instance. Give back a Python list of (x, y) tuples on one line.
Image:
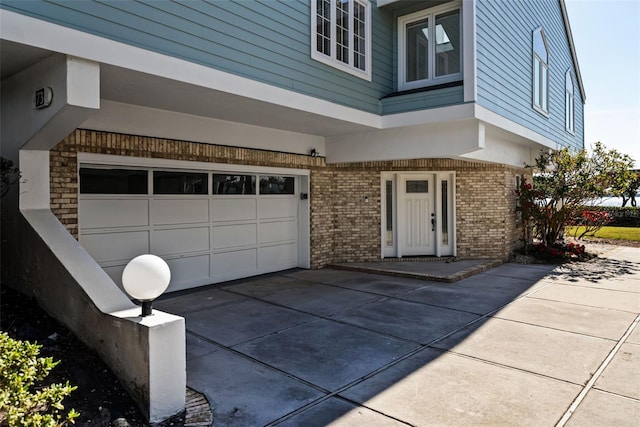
[(559, 252), (564, 181), (588, 222)]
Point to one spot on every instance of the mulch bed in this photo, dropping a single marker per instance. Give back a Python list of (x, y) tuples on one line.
[(99, 398)]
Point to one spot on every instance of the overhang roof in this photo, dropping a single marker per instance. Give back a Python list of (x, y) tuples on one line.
[(572, 48)]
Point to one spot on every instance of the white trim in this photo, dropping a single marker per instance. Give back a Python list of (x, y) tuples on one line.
[(570, 103), (572, 48), (488, 116), (538, 64), (388, 251), (431, 79), (469, 53), (331, 60), (450, 177), (56, 38), (144, 162)]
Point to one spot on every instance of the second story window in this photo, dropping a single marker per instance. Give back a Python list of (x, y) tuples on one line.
[(540, 72), (341, 35), (429, 47), (569, 101)]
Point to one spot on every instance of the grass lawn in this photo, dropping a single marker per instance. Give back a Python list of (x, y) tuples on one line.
[(614, 233)]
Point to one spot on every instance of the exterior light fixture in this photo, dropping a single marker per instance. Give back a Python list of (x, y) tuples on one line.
[(145, 278), (313, 153)]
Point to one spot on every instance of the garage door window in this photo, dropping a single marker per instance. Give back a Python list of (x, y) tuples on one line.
[(179, 183), (113, 181), (276, 185), (234, 184)]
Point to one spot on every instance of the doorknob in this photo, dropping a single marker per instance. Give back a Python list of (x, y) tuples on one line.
[(433, 224)]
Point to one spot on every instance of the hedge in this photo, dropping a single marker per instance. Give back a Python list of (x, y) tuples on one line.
[(621, 217)]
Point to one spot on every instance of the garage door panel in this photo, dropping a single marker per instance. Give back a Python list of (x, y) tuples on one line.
[(188, 271), (233, 209), (109, 247), (106, 213), (180, 240), (278, 257), (278, 207), (235, 263), (278, 231), (230, 236), (182, 211), (205, 238)]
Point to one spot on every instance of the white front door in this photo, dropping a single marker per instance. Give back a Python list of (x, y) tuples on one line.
[(416, 212)]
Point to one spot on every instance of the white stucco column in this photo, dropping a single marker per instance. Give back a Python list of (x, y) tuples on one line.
[(147, 354)]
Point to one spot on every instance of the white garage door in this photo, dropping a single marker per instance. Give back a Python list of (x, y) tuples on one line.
[(208, 226)]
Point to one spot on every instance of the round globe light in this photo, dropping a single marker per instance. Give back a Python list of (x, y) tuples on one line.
[(145, 278)]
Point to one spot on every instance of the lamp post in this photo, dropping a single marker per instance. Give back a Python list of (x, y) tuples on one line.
[(145, 278)]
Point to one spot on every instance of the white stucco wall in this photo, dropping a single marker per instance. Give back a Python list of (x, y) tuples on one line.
[(40, 257), (136, 120)]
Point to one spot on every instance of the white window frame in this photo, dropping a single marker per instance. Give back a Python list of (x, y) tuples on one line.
[(570, 103), (331, 59), (432, 80), (539, 67)]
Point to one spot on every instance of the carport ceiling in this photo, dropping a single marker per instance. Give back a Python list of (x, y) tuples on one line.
[(137, 88), (15, 57), (132, 87)]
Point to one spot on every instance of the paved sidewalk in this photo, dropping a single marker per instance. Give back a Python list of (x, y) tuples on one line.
[(514, 345)]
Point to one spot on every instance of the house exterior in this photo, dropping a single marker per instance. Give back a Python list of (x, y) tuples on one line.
[(235, 138)]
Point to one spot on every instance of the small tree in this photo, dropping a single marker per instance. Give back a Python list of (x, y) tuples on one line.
[(629, 194), (564, 182)]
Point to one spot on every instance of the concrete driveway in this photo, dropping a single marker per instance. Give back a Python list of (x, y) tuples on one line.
[(515, 345)]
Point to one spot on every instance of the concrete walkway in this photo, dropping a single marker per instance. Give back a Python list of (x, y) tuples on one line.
[(514, 345)]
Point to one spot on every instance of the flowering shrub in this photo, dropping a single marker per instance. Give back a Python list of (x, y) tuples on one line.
[(589, 221), (541, 216), (563, 181), (559, 252)]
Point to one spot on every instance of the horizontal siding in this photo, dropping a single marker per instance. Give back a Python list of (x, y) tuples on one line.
[(267, 41), (504, 70), (422, 100)]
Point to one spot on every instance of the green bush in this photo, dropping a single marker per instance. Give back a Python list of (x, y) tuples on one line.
[(620, 217), (21, 370)]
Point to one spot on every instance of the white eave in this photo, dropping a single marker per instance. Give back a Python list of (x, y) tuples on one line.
[(572, 48)]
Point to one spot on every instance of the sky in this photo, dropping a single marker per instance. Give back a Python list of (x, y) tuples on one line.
[(606, 34)]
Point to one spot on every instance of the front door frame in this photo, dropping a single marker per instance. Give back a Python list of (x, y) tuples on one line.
[(444, 234)]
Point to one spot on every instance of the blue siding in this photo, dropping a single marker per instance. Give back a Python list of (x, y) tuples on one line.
[(268, 41), (422, 101), (504, 70)]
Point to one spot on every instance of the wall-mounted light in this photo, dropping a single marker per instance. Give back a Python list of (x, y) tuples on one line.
[(313, 153), (145, 278)]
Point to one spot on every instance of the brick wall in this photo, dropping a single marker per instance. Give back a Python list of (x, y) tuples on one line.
[(64, 162), (344, 226)]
